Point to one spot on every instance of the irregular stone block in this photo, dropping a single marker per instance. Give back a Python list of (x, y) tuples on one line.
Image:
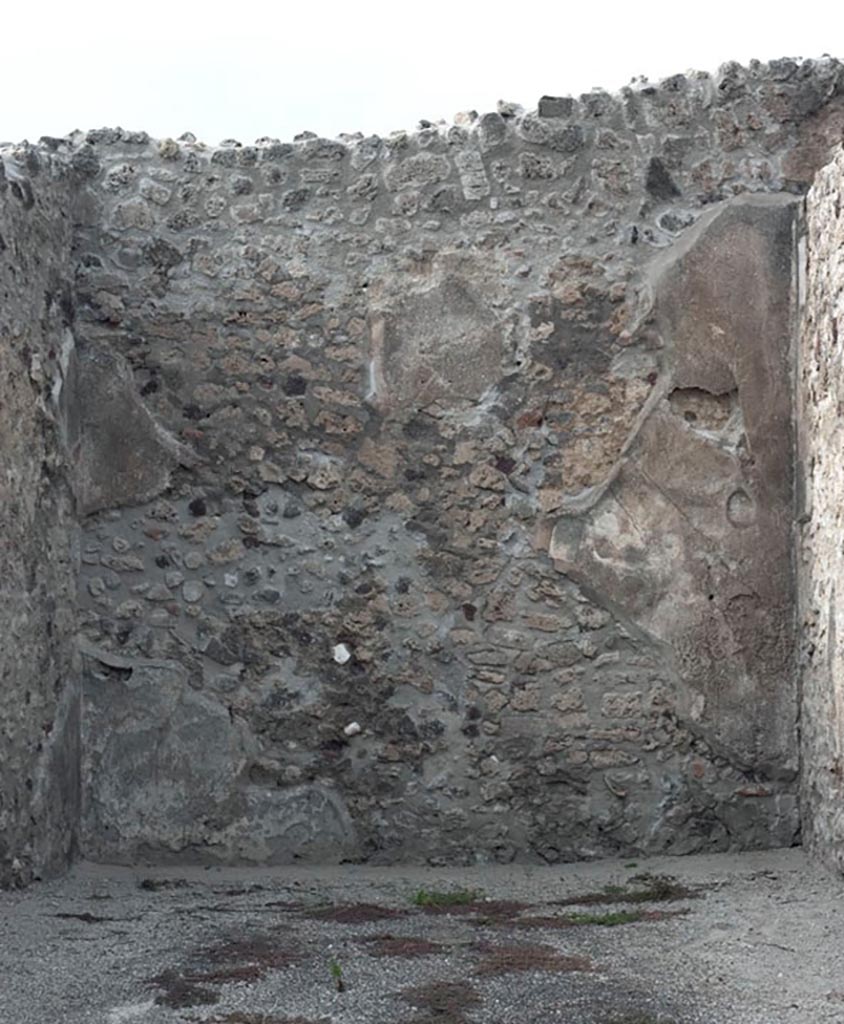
[(556, 106), (122, 456)]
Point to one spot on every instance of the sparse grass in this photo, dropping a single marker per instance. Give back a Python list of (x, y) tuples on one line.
[(337, 974), (452, 898), (641, 888), (609, 919)]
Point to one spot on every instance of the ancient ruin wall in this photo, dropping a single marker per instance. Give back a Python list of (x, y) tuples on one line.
[(821, 516), (437, 489), (39, 674)]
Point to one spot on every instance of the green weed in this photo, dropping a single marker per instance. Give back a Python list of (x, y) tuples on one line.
[(453, 898), (337, 975)]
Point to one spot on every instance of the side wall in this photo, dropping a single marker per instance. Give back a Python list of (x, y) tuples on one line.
[(821, 516), (39, 677)]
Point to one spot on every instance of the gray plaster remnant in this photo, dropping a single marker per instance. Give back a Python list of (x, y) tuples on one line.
[(690, 535), (123, 456), (167, 773), (438, 338)]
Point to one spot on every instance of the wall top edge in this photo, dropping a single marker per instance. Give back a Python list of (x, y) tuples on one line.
[(803, 86)]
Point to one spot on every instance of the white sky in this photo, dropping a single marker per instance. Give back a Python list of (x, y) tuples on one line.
[(243, 69)]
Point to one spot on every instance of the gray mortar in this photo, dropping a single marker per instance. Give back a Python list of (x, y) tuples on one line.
[(346, 392)]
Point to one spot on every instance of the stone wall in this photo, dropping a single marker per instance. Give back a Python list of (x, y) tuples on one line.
[(821, 517), (437, 490), (39, 676)]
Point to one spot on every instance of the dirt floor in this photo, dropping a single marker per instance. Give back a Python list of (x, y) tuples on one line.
[(747, 939)]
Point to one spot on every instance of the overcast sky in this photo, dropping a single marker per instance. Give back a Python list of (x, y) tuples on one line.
[(243, 69)]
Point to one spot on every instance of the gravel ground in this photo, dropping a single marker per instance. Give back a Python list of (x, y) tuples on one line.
[(745, 939)]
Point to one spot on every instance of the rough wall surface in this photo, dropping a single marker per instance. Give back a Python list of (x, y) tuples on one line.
[(436, 490), (355, 406), (39, 677), (691, 534), (821, 516)]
